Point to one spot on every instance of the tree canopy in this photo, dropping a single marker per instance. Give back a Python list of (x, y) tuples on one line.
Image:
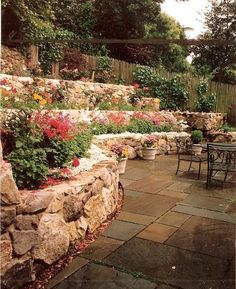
[(220, 22)]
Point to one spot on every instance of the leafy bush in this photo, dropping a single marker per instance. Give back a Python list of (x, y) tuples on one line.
[(98, 128), (171, 92), (141, 126), (83, 140), (105, 105), (35, 142), (204, 103), (196, 136), (29, 166)]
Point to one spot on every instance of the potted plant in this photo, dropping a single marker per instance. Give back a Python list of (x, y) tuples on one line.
[(122, 154), (196, 137), (149, 147)]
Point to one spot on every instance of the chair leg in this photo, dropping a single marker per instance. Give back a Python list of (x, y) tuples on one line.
[(177, 167), (190, 165), (199, 170), (209, 174)]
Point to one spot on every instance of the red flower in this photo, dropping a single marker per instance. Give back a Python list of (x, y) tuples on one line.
[(14, 90), (3, 82), (136, 86), (75, 162)]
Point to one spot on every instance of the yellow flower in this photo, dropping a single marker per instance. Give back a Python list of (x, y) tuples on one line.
[(42, 101), (37, 97)]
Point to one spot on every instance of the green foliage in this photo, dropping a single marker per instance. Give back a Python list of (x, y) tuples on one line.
[(103, 69), (98, 128), (171, 92), (60, 152), (227, 128), (141, 126), (84, 140), (29, 166), (205, 103), (196, 136), (105, 105), (220, 24)]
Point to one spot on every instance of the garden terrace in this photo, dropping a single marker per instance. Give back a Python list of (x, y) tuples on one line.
[(41, 225)]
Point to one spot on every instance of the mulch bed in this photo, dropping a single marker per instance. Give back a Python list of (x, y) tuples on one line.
[(46, 274)]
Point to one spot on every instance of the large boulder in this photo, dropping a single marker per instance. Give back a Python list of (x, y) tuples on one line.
[(24, 241), (55, 238), (94, 212)]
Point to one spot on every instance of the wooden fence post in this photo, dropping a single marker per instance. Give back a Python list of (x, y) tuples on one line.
[(55, 69), (33, 56)]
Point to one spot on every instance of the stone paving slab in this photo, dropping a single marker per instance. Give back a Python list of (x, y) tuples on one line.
[(173, 194), (149, 185), (205, 202), (136, 174), (173, 219), (208, 236), (126, 182), (149, 205), (101, 248), (136, 218), (133, 194), (96, 276), (74, 266), (174, 266), (157, 232), (218, 192), (123, 230), (204, 213), (180, 186)]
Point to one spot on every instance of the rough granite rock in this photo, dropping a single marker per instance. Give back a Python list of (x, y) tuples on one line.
[(24, 241), (9, 192), (17, 273), (6, 253), (37, 202), (72, 208), (94, 212), (7, 216), (27, 222), (55, 238), (97, 187), (81, 226)]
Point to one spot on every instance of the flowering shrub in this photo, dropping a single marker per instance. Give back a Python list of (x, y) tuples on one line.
[(149, 141), (120, 150), (34, 143)]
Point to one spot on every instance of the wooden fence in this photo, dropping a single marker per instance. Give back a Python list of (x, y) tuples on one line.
[(225, 93)]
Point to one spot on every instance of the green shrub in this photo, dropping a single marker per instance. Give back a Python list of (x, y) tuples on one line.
[(98, 128), (141, 126), (196, 136), (171, 91), (60, 152), (84, 140), (29, 166), (204, 103), (105, 105)]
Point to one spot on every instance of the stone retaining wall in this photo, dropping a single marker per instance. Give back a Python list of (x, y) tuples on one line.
[(166, 142), (41, 225)]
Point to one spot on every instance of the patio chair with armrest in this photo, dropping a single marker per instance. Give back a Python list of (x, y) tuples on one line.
[(187, 155), (220, 158)]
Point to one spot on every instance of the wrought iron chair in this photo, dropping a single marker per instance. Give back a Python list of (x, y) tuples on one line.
[(220, 158), (187, 155)]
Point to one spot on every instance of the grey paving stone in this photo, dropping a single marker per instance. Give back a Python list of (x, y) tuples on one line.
[(74, 266), (208, 236), (204, 213), (101, 248), (135, 218), (149, 205), (96, 276), (123, 230), (174, 266), (206, 202)]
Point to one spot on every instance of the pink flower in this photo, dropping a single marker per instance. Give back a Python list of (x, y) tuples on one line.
[(75, 162), (136, 86)]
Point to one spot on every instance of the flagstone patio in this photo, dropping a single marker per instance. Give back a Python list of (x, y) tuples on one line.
[(172, 233)]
